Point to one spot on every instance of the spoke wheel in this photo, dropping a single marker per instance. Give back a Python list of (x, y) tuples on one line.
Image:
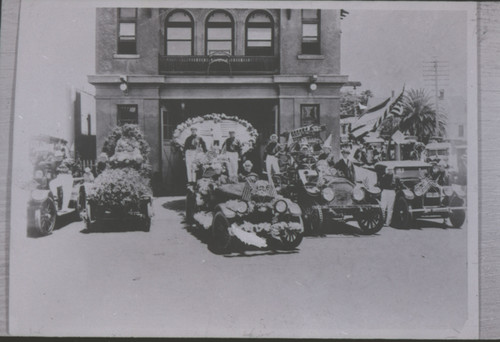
[(220, 240), (370, 220), (457, 217), (316, 221), (291, 238), (45, 217), (401, 216)]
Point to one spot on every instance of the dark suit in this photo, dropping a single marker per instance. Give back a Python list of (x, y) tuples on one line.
[(347, 169)]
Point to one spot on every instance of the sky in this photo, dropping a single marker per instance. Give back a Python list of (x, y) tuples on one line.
[(382, 49)]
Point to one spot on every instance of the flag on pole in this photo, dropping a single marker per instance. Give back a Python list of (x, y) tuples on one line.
[(328, 141), (290, 140)]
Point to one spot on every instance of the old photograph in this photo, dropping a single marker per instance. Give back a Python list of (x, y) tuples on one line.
[(245, 169)]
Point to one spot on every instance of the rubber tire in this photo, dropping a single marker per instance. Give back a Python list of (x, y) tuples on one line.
[(457, 218), (401, 217), (219, 241), (289, 244), (190, 206), (50, 205), (79, 208), (316, 222), (378, 219)]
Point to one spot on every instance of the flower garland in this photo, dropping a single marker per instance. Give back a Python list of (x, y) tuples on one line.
[(204, 218), (250, 229), (247, 146)]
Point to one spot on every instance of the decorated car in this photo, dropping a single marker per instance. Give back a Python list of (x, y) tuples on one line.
[(323, 193), (420, 194), (249, 212), (56, 192)]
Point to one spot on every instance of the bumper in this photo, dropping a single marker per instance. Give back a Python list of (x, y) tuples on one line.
[(436, 210), (340, 213)]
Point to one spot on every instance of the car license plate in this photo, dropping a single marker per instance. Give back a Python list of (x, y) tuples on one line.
[(432, 195)]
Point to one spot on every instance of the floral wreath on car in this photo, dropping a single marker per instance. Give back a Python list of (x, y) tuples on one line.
[(216, 118)]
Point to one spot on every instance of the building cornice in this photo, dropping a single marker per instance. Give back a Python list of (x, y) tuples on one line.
[(206, 79)]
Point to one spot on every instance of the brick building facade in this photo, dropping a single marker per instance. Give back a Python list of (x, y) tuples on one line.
[(277, 68)]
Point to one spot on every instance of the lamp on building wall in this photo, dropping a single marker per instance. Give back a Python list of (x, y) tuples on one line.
[(312, 82), (124, 85)]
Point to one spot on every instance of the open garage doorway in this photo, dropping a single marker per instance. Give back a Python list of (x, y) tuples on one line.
[(261, 113)]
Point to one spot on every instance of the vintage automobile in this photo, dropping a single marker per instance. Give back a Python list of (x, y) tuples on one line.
[(322, 193), (250, 212), (54, 196), (419, 195)]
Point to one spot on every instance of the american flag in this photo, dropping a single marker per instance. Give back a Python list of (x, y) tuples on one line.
[(246, 195), (394, 109)]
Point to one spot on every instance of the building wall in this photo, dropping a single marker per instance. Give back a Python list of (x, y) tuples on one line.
[(200, 16), (146, 60), (293, 61)]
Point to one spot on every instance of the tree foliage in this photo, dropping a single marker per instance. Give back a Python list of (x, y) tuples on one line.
[(349, 102), (419, 116)]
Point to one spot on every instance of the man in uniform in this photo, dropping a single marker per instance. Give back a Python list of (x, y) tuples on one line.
[(192, 144), (270, 153), (232, 147), (345, 167)]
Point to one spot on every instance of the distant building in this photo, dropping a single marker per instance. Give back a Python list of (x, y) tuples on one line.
[(277, 68)]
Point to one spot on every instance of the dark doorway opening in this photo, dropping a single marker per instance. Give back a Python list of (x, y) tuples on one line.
[(259, 112)]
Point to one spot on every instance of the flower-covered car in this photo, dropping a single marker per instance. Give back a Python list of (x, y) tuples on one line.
[(323, 194), (55, 196), (420, 194), (250, 212)]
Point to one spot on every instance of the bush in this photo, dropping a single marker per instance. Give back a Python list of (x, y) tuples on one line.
[(119, 189)]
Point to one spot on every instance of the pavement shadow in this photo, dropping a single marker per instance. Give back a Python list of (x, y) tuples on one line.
[(119, 226), (61, 222), (421, 224), (340, 229), (175, 205)]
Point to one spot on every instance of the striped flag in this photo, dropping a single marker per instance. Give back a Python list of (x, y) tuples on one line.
[(394, 109)]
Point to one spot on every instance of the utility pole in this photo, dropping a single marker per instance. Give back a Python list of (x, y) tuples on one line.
[(436, 74)]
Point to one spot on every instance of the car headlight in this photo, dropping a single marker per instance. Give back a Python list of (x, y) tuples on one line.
[(418, 192), (38, 195), (328, 194), (280, 206), (448, 191), (358, 194), (242, 207)]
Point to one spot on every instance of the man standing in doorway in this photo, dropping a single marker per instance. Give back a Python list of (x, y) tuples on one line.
[(270, 153), (193, 144), (232, 147), (388, 186)]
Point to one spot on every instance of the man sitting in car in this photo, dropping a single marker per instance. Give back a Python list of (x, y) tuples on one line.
[(247, 170), (345, 167)]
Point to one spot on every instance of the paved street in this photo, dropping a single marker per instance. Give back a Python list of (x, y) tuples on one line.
[(166, 282)]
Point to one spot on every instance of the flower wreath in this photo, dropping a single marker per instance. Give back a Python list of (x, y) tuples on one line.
[(247, 145)]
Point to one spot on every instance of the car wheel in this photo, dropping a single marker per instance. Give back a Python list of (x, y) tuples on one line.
[(457, 217), (290, 239), (401, 216), (45, 217), (316, 221), (370, 220), (81, 204), (220, 240), (190, 206)]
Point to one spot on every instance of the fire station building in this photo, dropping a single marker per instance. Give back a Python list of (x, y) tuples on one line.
[(279, 69)]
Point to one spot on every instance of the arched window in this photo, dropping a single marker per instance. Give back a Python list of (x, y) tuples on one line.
[(179, 33), (259, 34), (219, 33)]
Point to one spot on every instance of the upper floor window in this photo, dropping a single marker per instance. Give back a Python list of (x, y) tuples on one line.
[(219, 33), (311, 32), (179, 33), (127, 114), (259, 33), (127, 25)]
